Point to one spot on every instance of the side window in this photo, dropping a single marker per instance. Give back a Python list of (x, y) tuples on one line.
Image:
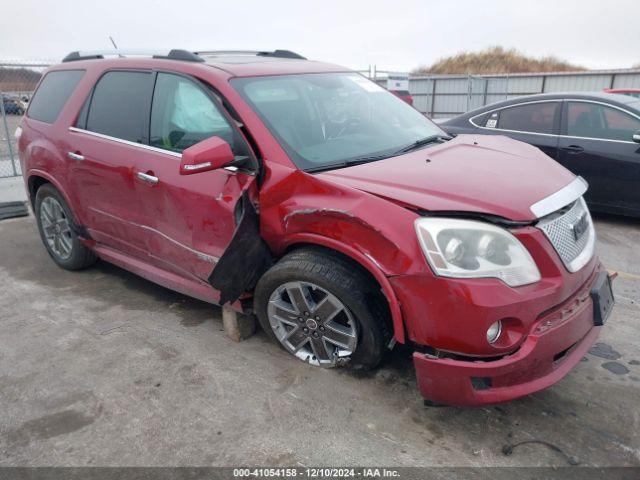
[(593, 120), (52, 94), (620, 125), (532, 117), (120, 105), (182, 114)]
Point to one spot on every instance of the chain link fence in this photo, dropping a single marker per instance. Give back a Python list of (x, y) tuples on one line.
[(17, 83)]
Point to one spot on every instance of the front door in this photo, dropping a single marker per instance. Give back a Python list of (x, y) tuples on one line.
[(597, 144), (189, 219)]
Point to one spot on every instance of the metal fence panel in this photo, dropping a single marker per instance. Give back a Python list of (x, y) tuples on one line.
[(627, 81), (477, 92), (422, 102), (456, 94), (17, 83), (582, 83), (523, 85), (450, 104), (495, 97), (421, 86), (452, 86)]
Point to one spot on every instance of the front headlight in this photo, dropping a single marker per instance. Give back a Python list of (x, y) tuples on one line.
[(470, 249)]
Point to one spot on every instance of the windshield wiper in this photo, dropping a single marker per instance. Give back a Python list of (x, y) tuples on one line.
[(348, 163), (357, 161), (424, 141)]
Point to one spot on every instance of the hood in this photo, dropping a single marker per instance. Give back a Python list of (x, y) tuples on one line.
[(472, 173)]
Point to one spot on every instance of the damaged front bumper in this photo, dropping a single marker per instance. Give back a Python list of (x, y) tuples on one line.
[(556, 343)]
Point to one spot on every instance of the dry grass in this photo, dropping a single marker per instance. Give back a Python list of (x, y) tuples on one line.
[(18, 79), (496, 60)]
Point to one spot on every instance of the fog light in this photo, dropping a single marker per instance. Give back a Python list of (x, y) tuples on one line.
[(494, 331)]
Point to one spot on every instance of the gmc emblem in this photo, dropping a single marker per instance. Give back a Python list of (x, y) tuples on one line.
[(579, 227)]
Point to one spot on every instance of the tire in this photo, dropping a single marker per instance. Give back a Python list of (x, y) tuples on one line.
[(323, 275), (67, 250)]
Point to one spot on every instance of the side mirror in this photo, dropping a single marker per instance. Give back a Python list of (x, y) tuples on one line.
[(636, 137), (209, 154)]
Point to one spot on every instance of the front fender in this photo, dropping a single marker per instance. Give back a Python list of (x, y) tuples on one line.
[(368, 262), (375, 232)]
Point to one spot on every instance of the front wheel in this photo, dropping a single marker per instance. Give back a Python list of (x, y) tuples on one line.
[(323, 309)]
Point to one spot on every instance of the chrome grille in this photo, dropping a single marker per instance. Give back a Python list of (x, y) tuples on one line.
[(559, 228)]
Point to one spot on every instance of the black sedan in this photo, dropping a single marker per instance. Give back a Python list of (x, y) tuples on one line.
[(595, 135)]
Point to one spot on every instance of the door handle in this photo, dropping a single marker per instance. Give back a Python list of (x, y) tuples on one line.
[(75, 156), (145, 177), (573, 149)]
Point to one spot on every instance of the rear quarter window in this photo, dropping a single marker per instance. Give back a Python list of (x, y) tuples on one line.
[(52, 94), (529, 118), (481, 120)]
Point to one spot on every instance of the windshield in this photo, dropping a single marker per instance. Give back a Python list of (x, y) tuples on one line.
[(332, 118)]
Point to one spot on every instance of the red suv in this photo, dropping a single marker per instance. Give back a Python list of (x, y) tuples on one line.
[(312, 197)]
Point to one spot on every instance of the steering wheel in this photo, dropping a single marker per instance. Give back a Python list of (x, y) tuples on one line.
[(341, 128)]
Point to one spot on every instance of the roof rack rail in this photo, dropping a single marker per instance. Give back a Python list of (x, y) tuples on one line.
[(184, 55), (175, 54), (257, 53)]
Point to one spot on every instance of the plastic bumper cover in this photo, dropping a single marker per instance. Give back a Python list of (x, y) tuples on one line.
[(555, 344)]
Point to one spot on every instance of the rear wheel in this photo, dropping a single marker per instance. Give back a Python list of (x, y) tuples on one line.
[(58, 232), (322, 309)]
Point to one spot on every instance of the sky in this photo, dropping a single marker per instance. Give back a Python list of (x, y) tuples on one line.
[(397, 35)]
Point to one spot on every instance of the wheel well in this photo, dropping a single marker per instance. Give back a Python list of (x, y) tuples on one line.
[(341, 257), (35, 183)]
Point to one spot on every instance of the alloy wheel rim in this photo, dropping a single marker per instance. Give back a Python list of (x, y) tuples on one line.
[(56, 228), (312, 324)]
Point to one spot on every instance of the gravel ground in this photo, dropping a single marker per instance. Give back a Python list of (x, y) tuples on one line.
[(100, 367)]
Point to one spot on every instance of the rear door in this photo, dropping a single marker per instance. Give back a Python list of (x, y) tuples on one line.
[(597, 143), (189, 219), (536, 123), (104, 147)]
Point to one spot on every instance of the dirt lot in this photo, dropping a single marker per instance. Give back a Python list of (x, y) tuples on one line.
[(103, 368)]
